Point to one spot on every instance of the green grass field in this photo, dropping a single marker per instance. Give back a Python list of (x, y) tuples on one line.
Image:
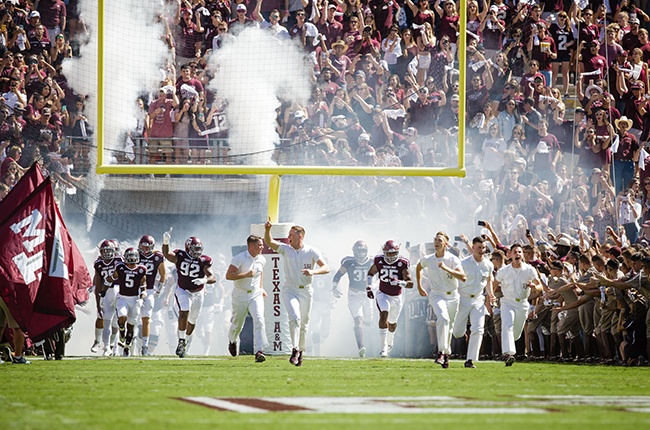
[(142, 393)]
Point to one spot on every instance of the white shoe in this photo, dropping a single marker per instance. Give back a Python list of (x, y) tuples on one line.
[(390, 348), (108, 351), (145, 351), (95, 346), (362, 351), (383, 353)]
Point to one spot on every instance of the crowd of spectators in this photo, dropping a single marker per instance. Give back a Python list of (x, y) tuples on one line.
[(557, 106)]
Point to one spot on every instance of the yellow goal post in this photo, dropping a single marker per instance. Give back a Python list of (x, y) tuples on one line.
[(276, 171)]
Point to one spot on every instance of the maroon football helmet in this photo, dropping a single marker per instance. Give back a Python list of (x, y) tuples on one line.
[(194, 246), (131, 256), (360, 250), (116, 245), (391, 251), (106, 249), (146, 245)]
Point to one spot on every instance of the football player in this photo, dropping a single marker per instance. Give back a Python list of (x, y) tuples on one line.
[(131, 278), (194, 270), (105, 295), (393, 273), (356, 267), (301, 263), (444, 272), (473, 303), (156, 274), (245, 271)]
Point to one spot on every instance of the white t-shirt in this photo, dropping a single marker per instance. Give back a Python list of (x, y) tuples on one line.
[(295, 260), (441, 281), (478, 273), (514, 282), (244, 262)]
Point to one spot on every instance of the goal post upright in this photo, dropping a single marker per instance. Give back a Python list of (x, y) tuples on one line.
[(99, 135)]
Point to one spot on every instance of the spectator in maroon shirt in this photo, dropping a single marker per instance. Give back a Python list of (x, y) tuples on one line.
[(53, 16), (328, 26), (631, 38)]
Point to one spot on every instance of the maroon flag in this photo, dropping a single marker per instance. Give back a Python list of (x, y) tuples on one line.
[(32, 178), (39, 271)]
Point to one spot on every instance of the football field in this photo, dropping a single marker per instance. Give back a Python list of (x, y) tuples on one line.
[(225, 392)]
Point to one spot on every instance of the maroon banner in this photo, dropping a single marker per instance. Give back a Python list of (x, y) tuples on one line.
[(32, 178), (39, 271)]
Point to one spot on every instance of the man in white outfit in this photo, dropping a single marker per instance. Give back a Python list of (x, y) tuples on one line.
[(516, 280), (473, 304), (444, 273), (301, 262), (245, 271)]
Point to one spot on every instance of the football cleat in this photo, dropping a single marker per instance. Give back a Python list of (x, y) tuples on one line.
[(95, 346), (107, 351), (232, 348), (144, 351), (362, 351), (294, 356), (260, 357), (440, 358), (126, 352), (299, 359), (383, 353), (445, 362), (510, 359), (20, 360), (180, 349), (469, 364)]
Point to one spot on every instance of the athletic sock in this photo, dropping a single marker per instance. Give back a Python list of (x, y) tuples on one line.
[(383, 338)]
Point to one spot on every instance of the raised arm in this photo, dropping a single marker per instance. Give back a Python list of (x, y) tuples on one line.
[(169, 255), (273, 244)]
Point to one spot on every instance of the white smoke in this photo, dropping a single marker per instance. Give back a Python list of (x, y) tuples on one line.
[(133, 54), (253, 74)]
